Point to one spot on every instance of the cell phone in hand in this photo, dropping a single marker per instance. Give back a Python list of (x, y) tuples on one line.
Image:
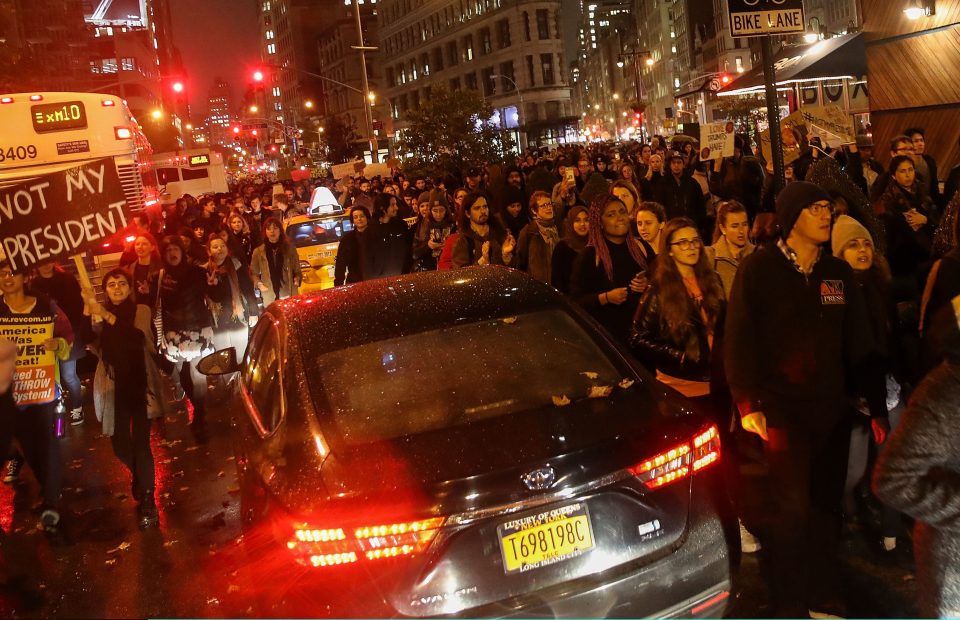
[(568, 175)]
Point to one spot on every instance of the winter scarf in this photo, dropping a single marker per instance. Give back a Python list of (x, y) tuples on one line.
[(275, 262)]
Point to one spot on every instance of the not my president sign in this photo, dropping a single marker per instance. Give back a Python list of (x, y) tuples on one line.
[(60, 214)]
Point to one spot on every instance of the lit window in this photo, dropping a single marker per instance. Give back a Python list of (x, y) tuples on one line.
[(676, 82), (269, 35), (271, 49)]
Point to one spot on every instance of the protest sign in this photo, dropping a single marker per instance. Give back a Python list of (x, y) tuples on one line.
[(831, 124), (35, 380), (716, 141), (60, 214), (794, 131)]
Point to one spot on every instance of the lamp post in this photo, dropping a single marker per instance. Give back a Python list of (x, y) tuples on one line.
[(367, 112), (636, 54), (521, 132)]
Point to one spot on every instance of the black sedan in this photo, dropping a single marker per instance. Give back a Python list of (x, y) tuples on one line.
[(471, 443)]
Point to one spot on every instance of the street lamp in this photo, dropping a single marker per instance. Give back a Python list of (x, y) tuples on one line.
[(254, 109), (308, 104), (636, 54), (156, 114), (523, 134)]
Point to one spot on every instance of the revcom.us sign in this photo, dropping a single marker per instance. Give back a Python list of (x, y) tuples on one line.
[(751, 18)]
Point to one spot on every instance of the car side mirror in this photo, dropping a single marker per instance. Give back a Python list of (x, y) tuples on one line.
[(222, 362)]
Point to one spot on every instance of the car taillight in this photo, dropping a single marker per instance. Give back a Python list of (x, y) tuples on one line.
[(680, 461), (336, 546), (122, 133)]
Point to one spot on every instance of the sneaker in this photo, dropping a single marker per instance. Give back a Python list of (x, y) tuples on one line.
[(13, 470), (76, 416), (748, 542), (49, 520)]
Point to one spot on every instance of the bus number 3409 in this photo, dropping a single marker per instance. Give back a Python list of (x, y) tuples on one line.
[(18, 152)]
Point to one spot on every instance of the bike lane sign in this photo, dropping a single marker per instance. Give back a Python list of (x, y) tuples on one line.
[(752, 18)]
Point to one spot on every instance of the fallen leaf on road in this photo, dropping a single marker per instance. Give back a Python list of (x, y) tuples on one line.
[(184, 488), (192, 448), (560, 401), (231, 458), (626, 383), (170, 543), (590, 375), (600, 391), (121, 547), (213, 601), (220, 474), (111, 561), (510, 320)]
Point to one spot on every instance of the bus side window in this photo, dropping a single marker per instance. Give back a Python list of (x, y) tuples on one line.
[(168, 175), (192, 175)]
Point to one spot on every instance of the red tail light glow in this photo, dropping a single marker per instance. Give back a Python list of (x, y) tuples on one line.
[(680, 461), (335, 546)]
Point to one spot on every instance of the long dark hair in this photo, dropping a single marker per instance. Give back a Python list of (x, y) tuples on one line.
[(463, 217), (674, 299), (597, 240), (273, 221)]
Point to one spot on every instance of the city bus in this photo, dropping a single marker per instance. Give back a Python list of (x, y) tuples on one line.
[(192, 171), (46, 132)]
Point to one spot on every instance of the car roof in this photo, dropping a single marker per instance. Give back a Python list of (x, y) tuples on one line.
[(349, 315)]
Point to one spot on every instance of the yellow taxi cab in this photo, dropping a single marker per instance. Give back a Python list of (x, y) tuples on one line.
[(316, 236)]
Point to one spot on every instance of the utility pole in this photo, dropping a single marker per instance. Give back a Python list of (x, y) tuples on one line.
[(367, 112)]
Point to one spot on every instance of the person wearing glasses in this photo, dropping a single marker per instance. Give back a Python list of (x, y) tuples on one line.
[(676, 331), (796, 338), (537, 240)]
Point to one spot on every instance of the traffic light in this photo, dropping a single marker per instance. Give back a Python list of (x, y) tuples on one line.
[(725, 79), (236, 129), (257, 75), (177, 86)]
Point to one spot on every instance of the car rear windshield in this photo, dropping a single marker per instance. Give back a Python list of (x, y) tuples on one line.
[(459, 374), (318, 232)]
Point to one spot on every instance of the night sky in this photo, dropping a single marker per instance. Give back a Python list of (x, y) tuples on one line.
[(216, 38), (220, 37)]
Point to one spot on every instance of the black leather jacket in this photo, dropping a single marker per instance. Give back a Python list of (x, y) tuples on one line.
[(653, 345)]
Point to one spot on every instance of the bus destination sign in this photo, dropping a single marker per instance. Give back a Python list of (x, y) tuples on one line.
[(199, 160), (48, 117)]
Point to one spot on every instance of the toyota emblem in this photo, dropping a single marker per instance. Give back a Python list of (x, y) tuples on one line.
[(539, 479)]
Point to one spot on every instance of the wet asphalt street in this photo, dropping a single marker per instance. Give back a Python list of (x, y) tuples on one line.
[(198, 564)]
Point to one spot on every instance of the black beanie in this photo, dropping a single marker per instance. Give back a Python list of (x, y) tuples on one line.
[(793, 199)]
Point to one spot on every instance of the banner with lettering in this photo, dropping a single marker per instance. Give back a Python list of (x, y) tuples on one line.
[(716, 141), (56, 215), (794, 131), (830, 123), (35, 381)]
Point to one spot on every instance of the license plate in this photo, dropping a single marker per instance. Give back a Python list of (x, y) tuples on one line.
[(546, 538)]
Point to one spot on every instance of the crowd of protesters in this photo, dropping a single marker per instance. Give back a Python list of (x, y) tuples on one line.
[(804, 316)]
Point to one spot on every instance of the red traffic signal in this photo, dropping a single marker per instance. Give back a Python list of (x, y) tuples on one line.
[(177, 87), (725, 79), (253, 132), (236, 129), (258, 76)]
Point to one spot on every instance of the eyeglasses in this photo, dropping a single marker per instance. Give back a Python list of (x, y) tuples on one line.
[(541, 205), (817, 208), (686, 244)]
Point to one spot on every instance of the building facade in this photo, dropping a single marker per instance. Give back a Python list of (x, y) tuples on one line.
[(288, 33), (343, 95), (220, 114), (511, 53)]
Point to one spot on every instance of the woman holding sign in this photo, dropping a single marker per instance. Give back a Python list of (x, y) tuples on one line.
[(43, 333)]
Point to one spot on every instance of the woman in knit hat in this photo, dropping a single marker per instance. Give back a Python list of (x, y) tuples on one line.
[(852, 242)]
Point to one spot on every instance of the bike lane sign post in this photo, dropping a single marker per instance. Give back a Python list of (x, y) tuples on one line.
[(763, 18), (751, 18)]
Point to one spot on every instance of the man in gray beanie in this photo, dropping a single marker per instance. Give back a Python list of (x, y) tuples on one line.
[(797, 337)]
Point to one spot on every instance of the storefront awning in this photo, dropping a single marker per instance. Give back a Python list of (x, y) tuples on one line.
[(831, 59)]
